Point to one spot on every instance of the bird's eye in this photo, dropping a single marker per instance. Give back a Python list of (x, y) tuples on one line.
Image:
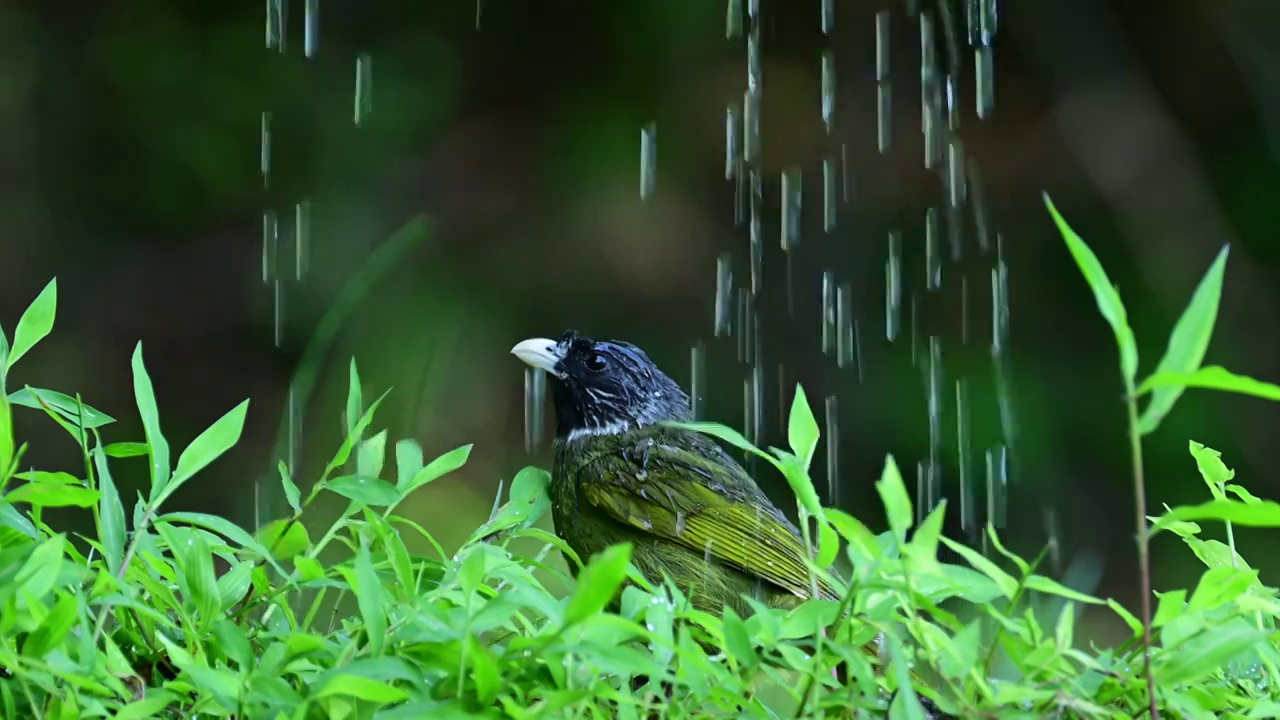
[(596, 362)]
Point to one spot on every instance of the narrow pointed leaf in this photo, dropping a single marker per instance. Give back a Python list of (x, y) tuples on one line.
[(145, 397), (1187, 343), (35, 323)]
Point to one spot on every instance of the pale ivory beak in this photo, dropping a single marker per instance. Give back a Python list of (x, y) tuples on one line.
[(541, 353)]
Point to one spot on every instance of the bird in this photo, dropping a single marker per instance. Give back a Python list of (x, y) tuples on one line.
[(623, 473)]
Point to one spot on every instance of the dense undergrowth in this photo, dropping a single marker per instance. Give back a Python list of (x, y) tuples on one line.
[(179, 614)]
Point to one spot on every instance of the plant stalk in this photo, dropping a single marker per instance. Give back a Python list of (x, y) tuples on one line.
[(1144, 558)]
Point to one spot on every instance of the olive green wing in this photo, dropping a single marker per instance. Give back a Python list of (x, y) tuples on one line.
[(706, 506)]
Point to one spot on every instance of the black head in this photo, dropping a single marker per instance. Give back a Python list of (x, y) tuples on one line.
[(603, 387)]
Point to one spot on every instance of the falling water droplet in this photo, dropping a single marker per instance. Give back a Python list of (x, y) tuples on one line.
[(964, 459), (697, 380), (845, 181), (748, 406), (264, 145), (1051, 532), (984, 80), (933, 249), (535, 396), (997, 485), (828, 88), (277, 311), (270, 245), (964, 310), (791, 199), (744, 324), (733, 20), (753, 9), (829, 328), (277, 17), (294, 431), (844, 321), (756, 225), (988, 18), (915, 356), (754, 61), (757, 400), (732, 143), (832, 437), (829, 171), (681, 521), (739, 193), (828, 16), (981, 216), (893, 286), (956, 188), (364, 88), (751, 126), (922, 490), (301, 239), (935, 419), (930, 92), (884, 94), (648, 160), (311, 28), (724, 295)]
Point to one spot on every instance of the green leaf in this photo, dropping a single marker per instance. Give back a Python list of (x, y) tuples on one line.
[(1187, 343), (227, 529), (1021, 564), (1007, 584), (352, 440), (45, 493), (1170, 607), (53, 629), (1261, 514), (362, 688), (35, 323), (1215, 473), (308, 568), (157, 446), (1040, 583), (1129, 619), (598, 583), (1104, 293), (369, 598), (1207, 653), (220, 437), (110, 514), (729, 435), (862, 542), (75, 413), (1219, 586), (439, 467), (923, 548), (153, 704), (1064, 631), (286, 538), (897, 503), (1212, 377), (234, 644), (371, 455), (201, 587), (802, 428), (126, 449), (290, 489), (366, 490), (409, 459), (40, 571), (355, 401), (6, 440)]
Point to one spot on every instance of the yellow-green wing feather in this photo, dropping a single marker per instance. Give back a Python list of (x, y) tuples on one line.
[(670, 497)]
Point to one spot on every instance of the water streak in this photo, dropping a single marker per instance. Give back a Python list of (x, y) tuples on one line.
[(364, 89), (535, 397), (698, 380), (832, 438), (311, 28), (829, 171), (829, 326), (791, 204), (893, 287), (648, 160), (723, 322)]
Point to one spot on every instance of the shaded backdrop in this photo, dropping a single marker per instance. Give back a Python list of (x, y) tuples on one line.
[(134, 171)]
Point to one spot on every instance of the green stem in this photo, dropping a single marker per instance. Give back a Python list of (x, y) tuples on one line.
[(1144, 557)]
